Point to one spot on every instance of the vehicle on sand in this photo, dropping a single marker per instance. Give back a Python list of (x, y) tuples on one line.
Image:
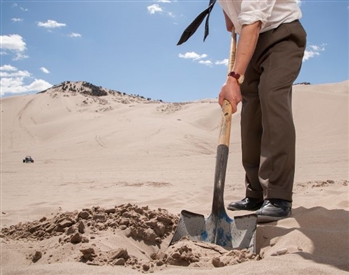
[(28, 159)]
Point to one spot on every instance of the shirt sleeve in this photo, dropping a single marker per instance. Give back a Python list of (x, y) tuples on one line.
[(257, 10)]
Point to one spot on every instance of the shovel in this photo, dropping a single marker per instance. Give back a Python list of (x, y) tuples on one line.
[(219, 228)]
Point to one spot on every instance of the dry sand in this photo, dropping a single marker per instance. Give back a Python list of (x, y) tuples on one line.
[(112, 173)]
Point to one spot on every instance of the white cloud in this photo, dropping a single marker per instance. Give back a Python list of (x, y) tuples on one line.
[(51, 24), (312, 51), (17, 19), (196, 57), (15, 74), (15, 5), (8, 68), (13, 43), (38, 85), (309, 54), (317, 48), (206, 62), (44, 70), (222, 62), (154, 8), (20, 56), (201, 59), (192, 55), (14, 81), (74, 34), (171, 14)]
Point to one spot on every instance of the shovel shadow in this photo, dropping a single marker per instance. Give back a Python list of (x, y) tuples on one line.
[(323, 233)]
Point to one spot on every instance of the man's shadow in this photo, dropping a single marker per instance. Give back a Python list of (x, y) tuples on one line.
[(325, 231)]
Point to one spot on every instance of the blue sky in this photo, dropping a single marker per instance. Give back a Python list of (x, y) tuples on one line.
[(130, 46)]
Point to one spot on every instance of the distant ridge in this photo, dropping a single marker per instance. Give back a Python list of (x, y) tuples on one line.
[(89, 89), (302, 83)]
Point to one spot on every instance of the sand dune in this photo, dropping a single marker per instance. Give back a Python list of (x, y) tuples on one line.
[(127, 154)]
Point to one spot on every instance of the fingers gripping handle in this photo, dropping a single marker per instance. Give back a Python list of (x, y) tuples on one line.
[(227, 111)]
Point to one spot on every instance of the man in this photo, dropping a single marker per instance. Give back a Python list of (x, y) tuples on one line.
[(268, 60)]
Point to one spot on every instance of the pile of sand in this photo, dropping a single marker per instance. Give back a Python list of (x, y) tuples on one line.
[(80, 231), (137, 222)]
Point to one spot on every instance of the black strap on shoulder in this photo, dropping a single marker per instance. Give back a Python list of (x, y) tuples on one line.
[(191, 29)]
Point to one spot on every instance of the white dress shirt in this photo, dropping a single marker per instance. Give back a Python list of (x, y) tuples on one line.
[(271, 13)]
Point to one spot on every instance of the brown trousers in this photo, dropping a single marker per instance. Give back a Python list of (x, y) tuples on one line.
[(267, 130)]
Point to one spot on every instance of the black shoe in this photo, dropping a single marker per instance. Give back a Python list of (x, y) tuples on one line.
[(274, 210), (249, 204)]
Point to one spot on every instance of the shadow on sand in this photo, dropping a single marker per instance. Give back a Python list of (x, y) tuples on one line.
[(325, 231)]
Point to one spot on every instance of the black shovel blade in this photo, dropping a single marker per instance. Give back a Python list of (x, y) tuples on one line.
[(237, 233)]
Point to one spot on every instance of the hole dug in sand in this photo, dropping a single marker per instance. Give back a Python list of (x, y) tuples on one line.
[(126, 235)]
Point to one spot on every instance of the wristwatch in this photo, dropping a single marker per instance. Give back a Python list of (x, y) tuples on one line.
[(239, 77)]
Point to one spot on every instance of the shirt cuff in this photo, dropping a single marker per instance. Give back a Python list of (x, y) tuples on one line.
[(251, 17)]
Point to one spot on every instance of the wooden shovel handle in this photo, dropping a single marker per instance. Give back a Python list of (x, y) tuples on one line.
[(232, 51), (227, 111)]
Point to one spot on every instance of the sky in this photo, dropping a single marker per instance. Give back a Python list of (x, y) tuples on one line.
[(131, 46)]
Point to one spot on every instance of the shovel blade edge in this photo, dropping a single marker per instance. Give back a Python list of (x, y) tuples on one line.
[(237, 233), (190, 224)]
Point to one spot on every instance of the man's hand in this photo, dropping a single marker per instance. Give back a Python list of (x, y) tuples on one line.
[(231, 92)]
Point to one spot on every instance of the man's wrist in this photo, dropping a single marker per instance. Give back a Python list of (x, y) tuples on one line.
[(239, 77), (232, 79)]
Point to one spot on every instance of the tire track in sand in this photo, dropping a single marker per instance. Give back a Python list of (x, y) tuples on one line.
[(20, 118)]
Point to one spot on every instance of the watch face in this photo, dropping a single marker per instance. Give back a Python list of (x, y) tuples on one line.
[(241, 79)]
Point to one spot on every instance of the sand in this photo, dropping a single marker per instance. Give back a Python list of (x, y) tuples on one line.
[(112, 173)]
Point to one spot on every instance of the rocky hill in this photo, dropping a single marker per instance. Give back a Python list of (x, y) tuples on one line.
[(90, 90)]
